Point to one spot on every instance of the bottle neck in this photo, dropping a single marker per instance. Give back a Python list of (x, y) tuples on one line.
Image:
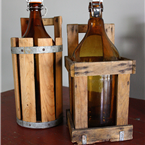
[(35, 12)]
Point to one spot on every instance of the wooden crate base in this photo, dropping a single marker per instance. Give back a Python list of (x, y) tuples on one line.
[(99, 134)]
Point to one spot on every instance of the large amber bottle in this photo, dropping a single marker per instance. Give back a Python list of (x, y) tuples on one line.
[(95, 47), (36, 30)]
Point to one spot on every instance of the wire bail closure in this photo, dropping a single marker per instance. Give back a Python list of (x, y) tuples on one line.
[(42, 8), (96, 11)]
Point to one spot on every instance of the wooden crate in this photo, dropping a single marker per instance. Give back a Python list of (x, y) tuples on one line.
[(24, 80), (78, 72)]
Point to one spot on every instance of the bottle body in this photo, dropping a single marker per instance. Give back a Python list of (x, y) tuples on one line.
[(96, 47)]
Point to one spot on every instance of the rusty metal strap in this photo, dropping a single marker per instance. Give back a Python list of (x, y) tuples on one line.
[(36, 50)]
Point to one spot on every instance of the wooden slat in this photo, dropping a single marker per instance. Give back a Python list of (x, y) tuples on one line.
[(58, 27), (46, 75), (27, 82), (16, 81), (80, 102), (134, 67), (71, 81), (99, 68), (123, 99), (25, 21), (72, 38), (48, 21), (58, 66), (24, 24), (98, 134), (110, 31), (70, 123), (58, 79)]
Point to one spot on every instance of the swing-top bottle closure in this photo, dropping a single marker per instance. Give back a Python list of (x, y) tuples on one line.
[(96, 7), (37, 1)]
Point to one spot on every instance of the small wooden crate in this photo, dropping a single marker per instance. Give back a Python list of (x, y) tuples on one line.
[(78, 72), (50, 98)]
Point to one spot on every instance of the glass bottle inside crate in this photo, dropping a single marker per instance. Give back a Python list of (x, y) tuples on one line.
[(95, 47), (36, 30)]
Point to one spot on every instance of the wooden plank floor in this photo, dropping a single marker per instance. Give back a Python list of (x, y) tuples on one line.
[(13, 134)]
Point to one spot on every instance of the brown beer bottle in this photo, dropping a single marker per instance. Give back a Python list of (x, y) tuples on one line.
[(96, 47), (36, 30)]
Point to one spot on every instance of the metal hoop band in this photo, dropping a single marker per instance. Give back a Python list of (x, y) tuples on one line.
[(40, 125), (36, 50)]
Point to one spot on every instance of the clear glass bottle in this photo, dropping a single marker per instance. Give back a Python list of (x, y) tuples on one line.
[(96, 47), (36, 30)]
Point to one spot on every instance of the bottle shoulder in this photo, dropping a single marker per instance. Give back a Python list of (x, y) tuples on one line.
[(95, 44)]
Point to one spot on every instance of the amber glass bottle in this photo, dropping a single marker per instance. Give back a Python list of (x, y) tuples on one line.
[(95, 47), (36, 30)]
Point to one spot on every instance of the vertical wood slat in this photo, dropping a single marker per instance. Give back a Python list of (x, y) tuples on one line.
[(72, 38), (46, 75), (123, 99), (58, 66), (80, 102), (27, 82), (58, 80), (16, 81)]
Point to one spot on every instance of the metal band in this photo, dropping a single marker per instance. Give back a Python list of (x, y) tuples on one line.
[(36, 50), (40, 125)]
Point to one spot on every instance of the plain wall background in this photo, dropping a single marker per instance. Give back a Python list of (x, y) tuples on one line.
[(128, 16)]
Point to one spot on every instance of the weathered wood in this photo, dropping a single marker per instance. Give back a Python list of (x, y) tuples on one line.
[(98, 68), (69, 64), (24, 25), (27, 82), (70, 123), (48, 21), (123, 99), (58, 27), (58, 79), (46, 75), (25, 21), (110, 31), (71, 81), (16, 81), (58, 66), (72, 38), (95, 135), (134, 67), (80, 102)]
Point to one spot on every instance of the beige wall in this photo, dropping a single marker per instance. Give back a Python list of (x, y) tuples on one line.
[(128, 17)]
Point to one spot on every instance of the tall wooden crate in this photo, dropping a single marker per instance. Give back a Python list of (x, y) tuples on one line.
[(50, 67), (78, 72)]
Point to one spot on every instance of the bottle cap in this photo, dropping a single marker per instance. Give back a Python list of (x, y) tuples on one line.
[(33, 1)]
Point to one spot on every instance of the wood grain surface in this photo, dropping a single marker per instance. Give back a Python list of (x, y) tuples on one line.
[(27, 82), (99, 68), (95, 135), (80, 105), (46, 75), (58, 66), (123, 99), (16, 81)]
